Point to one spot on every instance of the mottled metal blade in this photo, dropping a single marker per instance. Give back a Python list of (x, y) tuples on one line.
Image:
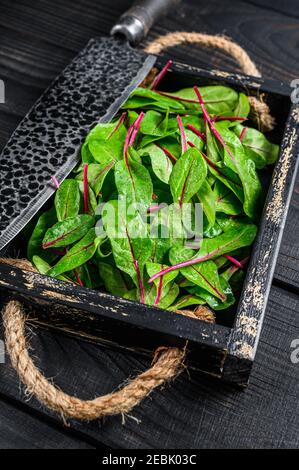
[(48, 141)]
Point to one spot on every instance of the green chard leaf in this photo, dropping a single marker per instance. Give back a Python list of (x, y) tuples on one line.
[(129, 240), (159, 248), (238, 236), (134, 182), (146, 245), (161, 163), (86, 154), (203, 274), (45, 221), (214, 302), (207, 198), (143, 97), (153, 268), (213, 152), (114, 281), (92, 200), (97, 174), (168, 295), (235, 159), (220, 100), (225, 200), (243, 106), (154, 124), (43, 268), (104, 144), (186, 301)]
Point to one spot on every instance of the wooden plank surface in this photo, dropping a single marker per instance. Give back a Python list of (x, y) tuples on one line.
[(37, 39)]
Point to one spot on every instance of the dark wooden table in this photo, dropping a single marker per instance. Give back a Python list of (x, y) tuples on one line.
[(37, 39)]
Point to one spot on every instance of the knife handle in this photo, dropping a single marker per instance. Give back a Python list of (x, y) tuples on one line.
[(135, 23)]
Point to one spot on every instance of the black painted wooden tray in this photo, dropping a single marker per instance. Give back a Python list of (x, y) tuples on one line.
[(225, 350)]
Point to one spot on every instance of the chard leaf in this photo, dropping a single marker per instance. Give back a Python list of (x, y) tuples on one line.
[(154, 124), (187, 176), (211, 248), (172, 145), (186, 301), (86, 154), (195, 139), (231, 223), (243, 106), (212, 232), (230, 179), (92, 200), (225, 200), (235, 159), (78, 255), (67, 200), (152, 98), (213, 301), (130, 242), (238, 236), (207, 198), (88, 275), (213, 152), (68, 231), (134, 182), (43, 267), (114, 281), (105, 146), (150, 139), (204, 274), (257, 147), (219, 100), (161, 164), (168, 295), (195, 121), (97, 174), (159, 248)]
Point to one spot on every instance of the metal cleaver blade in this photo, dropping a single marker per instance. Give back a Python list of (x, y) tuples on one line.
[(47, 142)]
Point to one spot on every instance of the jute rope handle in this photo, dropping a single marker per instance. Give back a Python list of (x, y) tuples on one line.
[(259, 108), (167, 364)]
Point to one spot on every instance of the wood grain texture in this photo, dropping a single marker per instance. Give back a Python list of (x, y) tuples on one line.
[(37, 39), (287, 269)]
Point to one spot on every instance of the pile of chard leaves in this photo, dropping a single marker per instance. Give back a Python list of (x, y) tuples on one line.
[(185, 147)]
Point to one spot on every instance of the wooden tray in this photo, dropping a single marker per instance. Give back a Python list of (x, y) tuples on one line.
[(226, 349)]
